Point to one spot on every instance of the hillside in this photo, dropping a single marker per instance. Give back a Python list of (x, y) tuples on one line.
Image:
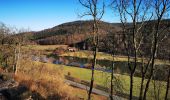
[(78, 31), (79, 34), (71, 32)]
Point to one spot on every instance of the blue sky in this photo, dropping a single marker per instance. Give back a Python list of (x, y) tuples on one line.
[(41, 14)]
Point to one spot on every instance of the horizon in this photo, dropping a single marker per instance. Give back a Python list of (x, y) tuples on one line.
[(37, 15)]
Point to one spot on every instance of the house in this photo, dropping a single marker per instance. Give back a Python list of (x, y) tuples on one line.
[(72, 49)]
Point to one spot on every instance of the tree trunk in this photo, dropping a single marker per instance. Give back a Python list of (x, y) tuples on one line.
[(141, 88), (154, 51), (167, 86), (111, 85), (92, 77), (131, 86), (15, 60), (18, 52)]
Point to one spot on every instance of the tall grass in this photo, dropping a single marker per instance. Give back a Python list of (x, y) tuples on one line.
[(48, 81)]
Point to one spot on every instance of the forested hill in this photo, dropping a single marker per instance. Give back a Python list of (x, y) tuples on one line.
[(71, 32), (79, 33)]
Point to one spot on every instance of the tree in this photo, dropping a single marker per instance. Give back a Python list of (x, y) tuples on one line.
[(18, 42), (10, 47), (161, 7), (136, 12), (6, 47), (141, 35), (167, 86), (4, 32), (93, 10)]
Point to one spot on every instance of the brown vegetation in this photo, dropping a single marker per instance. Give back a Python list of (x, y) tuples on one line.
[(1, 70), (44, 80), (48, 82)]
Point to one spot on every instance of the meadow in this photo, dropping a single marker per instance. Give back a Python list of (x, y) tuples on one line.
[(48, 49), (39, 77), (121, 82)]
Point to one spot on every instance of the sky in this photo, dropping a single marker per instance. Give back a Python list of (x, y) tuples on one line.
[(37, 15)]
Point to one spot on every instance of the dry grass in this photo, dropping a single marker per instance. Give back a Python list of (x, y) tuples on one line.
[(41, 49), (48, 81), (44, 80), (1, 70), (82, 94), (44, 47)]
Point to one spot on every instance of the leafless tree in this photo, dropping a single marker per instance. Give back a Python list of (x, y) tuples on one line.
[(136, 12), (6, 46), (19, 41), (144, 15), (167, 86), (11, 46), (4, 32), (93, 9), (161, 7)]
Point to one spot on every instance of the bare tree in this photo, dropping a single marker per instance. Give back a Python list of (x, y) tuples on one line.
[(4, 32), (19, 41), (138, 11), (5, 46), (8, 47), (168, 83), (110, 46), (93, 10), (134, 11), (112, 76), (11, 45), (161, 7)]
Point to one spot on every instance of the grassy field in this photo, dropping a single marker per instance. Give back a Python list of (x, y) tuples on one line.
[(47, 49), (105, 56), (43, 47), (48, 80), (103, 78)]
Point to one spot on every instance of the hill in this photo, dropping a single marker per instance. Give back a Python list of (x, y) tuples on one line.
[(71, 32), (79, 34)]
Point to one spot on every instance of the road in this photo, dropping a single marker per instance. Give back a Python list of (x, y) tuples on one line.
[(96, 91)]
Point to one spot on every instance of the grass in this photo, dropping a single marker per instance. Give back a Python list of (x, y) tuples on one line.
[(47, 49), (106, 56), (83, 95), (40, 78), (88, 54), (43, 47), (121, 83), (48, 80)]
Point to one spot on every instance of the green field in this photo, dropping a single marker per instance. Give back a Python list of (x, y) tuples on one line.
[(106, 56), (48, 49), (103, 78)]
